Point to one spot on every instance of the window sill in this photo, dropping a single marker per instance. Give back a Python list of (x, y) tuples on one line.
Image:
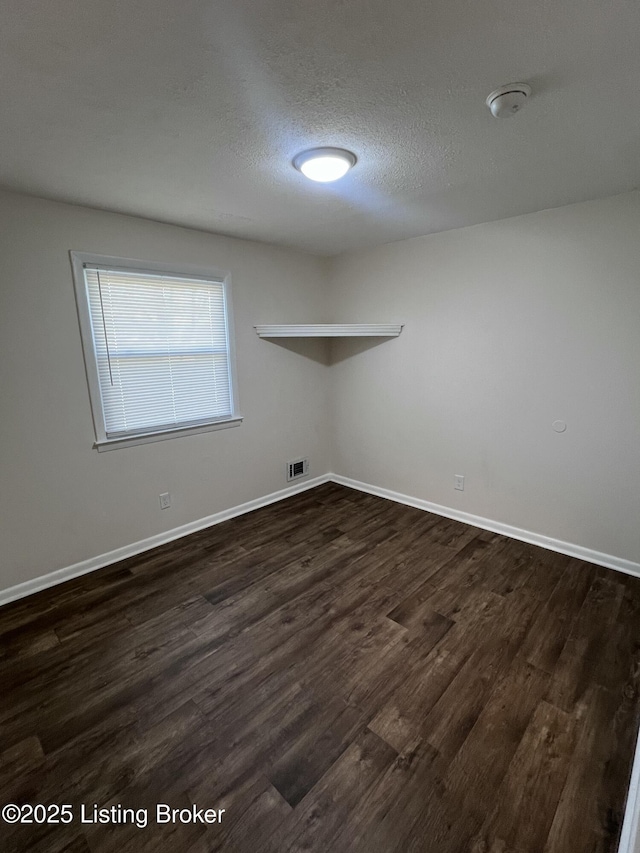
[(162, 435)]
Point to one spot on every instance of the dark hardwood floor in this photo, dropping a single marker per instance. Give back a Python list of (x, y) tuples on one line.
[(337, 672)]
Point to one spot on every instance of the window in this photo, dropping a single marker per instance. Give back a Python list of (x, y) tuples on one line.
[(157, 347)]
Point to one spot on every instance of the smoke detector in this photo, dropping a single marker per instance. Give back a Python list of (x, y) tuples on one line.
[(508, 100)]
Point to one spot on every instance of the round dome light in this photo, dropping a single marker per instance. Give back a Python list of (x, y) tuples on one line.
[(324, 164)]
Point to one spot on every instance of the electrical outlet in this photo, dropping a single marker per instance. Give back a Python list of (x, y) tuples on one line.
[(458, 482), (165, 500)]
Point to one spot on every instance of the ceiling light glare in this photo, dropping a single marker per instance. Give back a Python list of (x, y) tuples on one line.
[(324, 164)]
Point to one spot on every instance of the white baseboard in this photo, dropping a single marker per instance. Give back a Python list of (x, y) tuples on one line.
[(22, 590), (568, 548), (61, 575)]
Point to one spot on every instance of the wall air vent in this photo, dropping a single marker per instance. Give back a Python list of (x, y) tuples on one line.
[(298, 468)]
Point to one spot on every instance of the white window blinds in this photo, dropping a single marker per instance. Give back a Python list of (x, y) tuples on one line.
[(162, 350)]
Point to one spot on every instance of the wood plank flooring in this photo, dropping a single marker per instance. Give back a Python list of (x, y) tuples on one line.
[(338, 673)]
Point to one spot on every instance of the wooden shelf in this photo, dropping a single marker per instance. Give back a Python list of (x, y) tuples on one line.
[(332, 330)]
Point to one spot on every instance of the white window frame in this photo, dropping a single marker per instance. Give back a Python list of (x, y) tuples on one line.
[(102, 442)]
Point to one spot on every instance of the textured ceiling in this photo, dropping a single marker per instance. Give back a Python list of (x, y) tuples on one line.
[(190, 112)]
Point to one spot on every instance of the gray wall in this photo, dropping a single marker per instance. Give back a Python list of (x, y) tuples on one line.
[(509, 326), (63, 502)]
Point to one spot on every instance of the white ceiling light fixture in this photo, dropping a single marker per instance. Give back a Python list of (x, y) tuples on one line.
[(324, 164), (508, 100)]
